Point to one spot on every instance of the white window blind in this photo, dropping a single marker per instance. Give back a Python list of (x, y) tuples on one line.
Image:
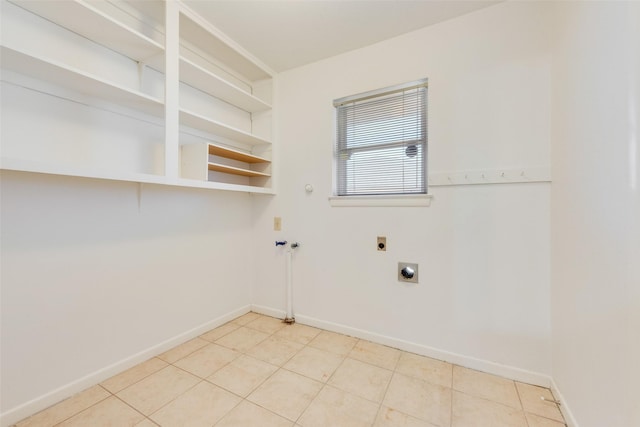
[(381, 141)]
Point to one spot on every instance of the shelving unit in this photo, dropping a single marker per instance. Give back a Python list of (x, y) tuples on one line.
[(210, 63), (219, 99)]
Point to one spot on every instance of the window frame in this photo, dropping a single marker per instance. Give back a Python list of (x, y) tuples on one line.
[(382, 198)]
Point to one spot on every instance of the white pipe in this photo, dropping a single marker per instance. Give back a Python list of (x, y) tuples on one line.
[(289, 316)]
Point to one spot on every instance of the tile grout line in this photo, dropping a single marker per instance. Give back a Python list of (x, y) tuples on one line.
[(82, 410), (386, 389), (135, 409), (451, 389), (526, 421)]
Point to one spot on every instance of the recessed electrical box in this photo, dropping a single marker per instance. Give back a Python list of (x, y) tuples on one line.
[(277, 223), (382, 243), (407, 272)]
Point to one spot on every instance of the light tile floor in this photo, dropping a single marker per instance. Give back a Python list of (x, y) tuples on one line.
[(258, 371)]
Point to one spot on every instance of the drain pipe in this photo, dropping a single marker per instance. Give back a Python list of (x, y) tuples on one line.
[(288, 256)]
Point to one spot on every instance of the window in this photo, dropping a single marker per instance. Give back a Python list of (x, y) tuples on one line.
[(381, 141)]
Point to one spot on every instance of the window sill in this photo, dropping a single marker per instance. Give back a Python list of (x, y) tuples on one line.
[(412, 200)]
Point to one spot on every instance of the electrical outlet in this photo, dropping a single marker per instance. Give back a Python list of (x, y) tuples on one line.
[(382, 243), (277, 223)]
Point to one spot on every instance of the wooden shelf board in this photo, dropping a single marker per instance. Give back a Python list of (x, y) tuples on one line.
[(188, 118), (235, 171), (79, 81), (82, 18), (216, 150)]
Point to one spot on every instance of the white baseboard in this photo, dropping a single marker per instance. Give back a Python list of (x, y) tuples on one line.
[(506, 371), (268, 311), (33, 406), (569, 419)]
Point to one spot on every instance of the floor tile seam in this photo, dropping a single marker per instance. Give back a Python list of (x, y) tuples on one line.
[(259, 405), (185, 356), (231, 409), (385, 346), (301, 374), (451, 406), (310, 402), (251, 391), (238, 350), (284, 339), (355, 394), (370, 364), (488, 400), (344, 358), (329, 351), (423, 380), (138, 411), (171, 401), (535, 413), (216, 370), (496, 376), (364, 361), (75, 413), (246, 352), (403, 413), (201, 336), (547, 418), (262, 330), (267, 409), (89, 407), (485, 398), (384, 396), (416, 416), (320, 381), (138, 380), (521, 403)]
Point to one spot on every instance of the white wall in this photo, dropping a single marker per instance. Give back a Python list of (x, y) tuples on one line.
[(97, 275), (595, 240), (483, 250)]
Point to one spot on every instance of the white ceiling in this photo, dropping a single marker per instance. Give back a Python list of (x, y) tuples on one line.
[(286, 34)]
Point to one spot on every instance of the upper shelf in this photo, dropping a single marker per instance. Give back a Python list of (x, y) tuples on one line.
[(209, 40), (197, 121), (79, 81), (200, 78), (84, 19)]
